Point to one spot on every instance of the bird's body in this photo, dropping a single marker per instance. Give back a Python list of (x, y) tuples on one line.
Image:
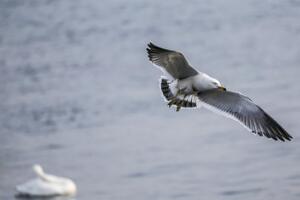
[(46, 185), (198, 82), (191, 88)]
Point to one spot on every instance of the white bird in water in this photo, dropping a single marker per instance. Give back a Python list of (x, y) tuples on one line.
[(191, 88), (46, 185)]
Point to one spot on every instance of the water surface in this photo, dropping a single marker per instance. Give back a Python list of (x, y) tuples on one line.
[(79, 97)]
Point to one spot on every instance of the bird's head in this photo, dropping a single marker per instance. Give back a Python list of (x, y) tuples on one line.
[(38, 169), (218, 85)]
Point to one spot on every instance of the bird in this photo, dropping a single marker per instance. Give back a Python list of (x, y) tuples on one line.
[(46, 185), (190, 88)]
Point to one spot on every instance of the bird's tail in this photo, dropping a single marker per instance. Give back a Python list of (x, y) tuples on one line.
[(168, 95), (165, 89)]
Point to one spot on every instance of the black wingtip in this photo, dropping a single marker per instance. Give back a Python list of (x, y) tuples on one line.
[(152, 48), (151, 45), (272, 129), (278, 136), (153, 51)]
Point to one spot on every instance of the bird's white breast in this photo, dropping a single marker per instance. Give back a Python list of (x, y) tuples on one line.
[(200, 82)]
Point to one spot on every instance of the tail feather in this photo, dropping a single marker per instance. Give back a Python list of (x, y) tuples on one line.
[(168, 95), (165, 88)]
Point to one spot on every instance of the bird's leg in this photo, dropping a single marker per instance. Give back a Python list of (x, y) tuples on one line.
[(178, 108), (174, 98), (177, 102), (180, 103), (172, 101)]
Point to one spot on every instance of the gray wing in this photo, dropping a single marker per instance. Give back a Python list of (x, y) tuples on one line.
[(173, 62), (245, 111)]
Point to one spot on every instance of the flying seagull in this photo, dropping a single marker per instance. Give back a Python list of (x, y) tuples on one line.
[(190, 88)]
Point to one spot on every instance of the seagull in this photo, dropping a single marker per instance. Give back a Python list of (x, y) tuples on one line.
[(190, 88), (46, 185)]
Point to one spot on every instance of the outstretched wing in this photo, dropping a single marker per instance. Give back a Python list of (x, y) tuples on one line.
[(173, 62), (242, 109)]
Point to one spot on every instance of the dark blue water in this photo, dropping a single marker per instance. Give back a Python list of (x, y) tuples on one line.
[(79, 97)]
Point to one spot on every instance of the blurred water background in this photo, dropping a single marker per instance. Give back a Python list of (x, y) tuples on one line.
[(78, 96)]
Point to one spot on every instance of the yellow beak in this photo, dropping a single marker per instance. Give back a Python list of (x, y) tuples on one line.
[(222, 88)]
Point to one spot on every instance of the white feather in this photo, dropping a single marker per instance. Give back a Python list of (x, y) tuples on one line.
[(46, 185)]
